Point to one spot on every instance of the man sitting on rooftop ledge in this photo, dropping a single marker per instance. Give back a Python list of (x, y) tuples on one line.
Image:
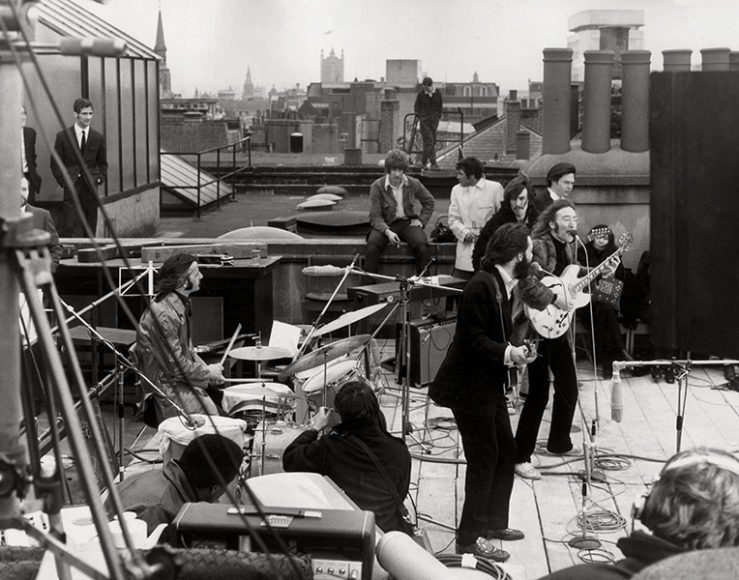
[(394, 213)]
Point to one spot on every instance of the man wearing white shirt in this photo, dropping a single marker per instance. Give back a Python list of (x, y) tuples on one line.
[(80, 141), (472, 203)]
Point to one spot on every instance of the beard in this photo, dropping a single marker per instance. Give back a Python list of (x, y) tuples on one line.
[(521, 269)]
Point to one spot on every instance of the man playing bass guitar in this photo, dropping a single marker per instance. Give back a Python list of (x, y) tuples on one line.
[(554, 238)]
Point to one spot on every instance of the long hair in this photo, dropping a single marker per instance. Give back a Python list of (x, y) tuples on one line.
[(173, 272), (471, 166), (695, 501), (507, 241), (549, 215), (514, 188), (396, 159)]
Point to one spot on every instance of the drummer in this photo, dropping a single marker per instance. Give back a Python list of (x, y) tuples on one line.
[(359, 455), (163, 346)]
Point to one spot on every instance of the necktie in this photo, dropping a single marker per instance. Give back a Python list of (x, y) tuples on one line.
[(83, 142)]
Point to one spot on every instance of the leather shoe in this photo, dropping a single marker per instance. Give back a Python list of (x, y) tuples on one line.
[(505, 534), (482, 548)]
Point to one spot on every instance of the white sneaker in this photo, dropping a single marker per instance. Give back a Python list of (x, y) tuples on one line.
[(527, 471)]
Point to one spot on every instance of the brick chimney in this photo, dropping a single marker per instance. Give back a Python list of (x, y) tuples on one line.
[(513, 121), (523, 145), (635, 100), (715, 59), (676, 60), (596, 122), (556, 104)]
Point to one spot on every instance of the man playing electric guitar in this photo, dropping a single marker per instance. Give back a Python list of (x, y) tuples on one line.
[(554, 238)]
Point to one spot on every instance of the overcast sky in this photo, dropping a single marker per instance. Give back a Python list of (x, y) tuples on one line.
[(211, 42)]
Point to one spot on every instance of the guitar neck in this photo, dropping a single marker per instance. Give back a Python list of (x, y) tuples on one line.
[(595, 272)]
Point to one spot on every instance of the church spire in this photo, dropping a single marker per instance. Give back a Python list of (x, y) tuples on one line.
[(160, 48)]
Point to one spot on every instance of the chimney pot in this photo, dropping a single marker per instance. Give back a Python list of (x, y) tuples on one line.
[(556, 100), (676, 60), (596, 123), (635, 100), (715, 59)]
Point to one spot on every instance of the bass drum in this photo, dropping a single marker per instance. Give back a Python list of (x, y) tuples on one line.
[(269, 444)]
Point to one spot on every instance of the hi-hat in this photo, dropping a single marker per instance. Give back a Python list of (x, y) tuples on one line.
[(325, 354), (349, 318), (259, 353)]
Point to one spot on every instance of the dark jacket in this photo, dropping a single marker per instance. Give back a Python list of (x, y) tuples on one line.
[(428, 109), (541, 199), (504, 215), (156, 496), (348, 465), (473, 372), (95, 157), (383, 208), (42, 220), (641, 550), (29, 144)]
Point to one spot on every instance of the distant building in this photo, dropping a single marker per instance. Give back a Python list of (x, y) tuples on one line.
[(615, 30), (227, 94), (402, 72), (474, 99), (248, 90), (160, 48), (332, 68)]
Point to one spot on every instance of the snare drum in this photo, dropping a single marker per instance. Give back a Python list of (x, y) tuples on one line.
[(334, 377), (176, 436), (276, 436), (253, 402)]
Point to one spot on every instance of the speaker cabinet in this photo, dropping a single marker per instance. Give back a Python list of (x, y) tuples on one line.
[(694, 133), (429, 341)]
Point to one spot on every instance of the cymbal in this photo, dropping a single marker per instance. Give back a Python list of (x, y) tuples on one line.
[(324, 354), (259, 353), (349, 318)]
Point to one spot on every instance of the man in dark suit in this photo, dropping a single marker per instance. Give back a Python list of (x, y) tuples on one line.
[(471, 382), (42, 220), (28, 157), (80, 139), (428, 107), (560, 182)]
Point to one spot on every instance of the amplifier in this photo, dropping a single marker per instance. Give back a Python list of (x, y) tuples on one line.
[(338, 537), (429, 342)]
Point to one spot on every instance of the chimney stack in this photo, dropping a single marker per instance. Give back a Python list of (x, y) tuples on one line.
[(556, 105), (596, 122), (513, 120), (523, 145), (635, 100), (676, 60), (715, 59)]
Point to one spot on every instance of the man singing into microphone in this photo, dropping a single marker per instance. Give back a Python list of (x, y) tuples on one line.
[(471, 382), (555, 248), (164, 347)]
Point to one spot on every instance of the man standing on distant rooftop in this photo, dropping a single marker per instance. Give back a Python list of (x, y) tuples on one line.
[(428, 110)]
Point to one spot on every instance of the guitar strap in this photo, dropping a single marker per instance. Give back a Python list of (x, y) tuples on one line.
[(512, 372)]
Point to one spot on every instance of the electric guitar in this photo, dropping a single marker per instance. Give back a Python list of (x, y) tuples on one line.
[(552, 321)]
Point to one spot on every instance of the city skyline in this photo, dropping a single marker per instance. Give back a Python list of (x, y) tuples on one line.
[(211, 44)]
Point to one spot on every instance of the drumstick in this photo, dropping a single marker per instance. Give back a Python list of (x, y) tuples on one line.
[(230, 344)]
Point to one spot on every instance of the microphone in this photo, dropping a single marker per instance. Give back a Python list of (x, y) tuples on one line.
[(403, 558), (617, 405), (328, 270), (92, 46)]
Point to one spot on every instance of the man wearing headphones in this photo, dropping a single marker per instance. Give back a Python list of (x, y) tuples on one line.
[(693, 505), (164, 346)]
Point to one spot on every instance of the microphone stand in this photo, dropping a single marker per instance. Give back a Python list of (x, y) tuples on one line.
[(403, 358)]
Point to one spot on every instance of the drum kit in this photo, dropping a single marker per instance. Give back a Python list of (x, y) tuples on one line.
[(268, 408)]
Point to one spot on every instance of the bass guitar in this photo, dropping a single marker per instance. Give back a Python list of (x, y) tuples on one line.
[(553, 321)]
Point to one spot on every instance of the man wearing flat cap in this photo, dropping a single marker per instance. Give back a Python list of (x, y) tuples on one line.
[(560, 181)]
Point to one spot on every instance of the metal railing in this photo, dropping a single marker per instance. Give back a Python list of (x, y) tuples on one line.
[(407, 144), (243, 144)]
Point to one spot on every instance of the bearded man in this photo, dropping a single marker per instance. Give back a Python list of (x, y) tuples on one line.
[(471, 382)]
